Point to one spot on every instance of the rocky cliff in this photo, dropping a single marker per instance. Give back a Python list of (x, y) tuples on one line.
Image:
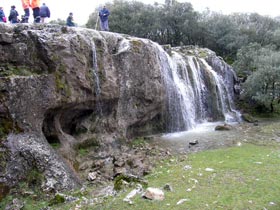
[(79, 88)]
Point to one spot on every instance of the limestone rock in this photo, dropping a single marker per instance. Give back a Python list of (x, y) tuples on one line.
[(70, 93), (154, 194), (224, 127)]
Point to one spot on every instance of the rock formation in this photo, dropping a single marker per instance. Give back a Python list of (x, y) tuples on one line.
[(82, 88)]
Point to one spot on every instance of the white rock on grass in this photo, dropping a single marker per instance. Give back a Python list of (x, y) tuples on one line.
[(92, 176), (187, 167), (154, 194), (271, 203), (209, 169), (182, 201), (134, 192)]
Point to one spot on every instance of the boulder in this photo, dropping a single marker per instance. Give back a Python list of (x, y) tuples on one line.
[(154, 194), (224, 127)]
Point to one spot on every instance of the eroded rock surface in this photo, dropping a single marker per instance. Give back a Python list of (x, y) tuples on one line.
[(71, 86), (81, 90)]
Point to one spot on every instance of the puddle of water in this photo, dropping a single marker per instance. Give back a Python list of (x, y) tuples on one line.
[(205, 136), (199, 129)]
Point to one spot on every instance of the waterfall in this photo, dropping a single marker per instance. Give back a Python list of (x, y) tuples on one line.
[(199, 88), (97, 88), (195, 92), (176, 106), (226, 101)]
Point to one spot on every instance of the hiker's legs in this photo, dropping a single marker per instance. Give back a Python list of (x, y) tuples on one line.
[(35, 5), (104, 25), (36, 14), (101, 26)]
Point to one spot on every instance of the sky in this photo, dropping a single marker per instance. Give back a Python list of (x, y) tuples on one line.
[(83, 8)]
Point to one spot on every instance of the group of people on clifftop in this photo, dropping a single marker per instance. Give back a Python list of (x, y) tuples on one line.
[(40, 13), (103, 16)]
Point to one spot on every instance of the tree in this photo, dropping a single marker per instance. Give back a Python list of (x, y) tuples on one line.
[(172, 23), (245, 62), (263, 85)]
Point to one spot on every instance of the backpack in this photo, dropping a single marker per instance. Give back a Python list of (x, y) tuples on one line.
[(4, 19)]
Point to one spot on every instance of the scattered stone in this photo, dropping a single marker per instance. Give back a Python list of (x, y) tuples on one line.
[(134, 192), (168, 187), (192, 143), (209, 169), (92, 176), (28, 193), (224, 127), (189, 189), (194, 180), (154, 194), (182, 201), (239, 144), (258, 163), (271, 203), (187, 167)]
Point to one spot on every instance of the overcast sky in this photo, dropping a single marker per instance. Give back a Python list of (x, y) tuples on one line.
[(83, 8)]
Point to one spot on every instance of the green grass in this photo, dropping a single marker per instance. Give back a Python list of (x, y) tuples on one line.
[(245, 177)]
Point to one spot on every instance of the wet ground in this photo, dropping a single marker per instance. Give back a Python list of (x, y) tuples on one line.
[(204, 136)]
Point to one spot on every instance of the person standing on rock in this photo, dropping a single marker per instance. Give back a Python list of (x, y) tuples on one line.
[(2, 15), (13, 17), (104, 14), (35, 5), (44, 12)]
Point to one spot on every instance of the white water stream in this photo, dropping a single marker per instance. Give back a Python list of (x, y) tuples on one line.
[(195, 92)]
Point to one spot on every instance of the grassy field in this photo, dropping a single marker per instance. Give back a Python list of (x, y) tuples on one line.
[(243, 177)]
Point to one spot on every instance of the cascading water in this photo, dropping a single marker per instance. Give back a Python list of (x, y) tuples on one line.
[(97, 88), (195, 92), (226, 102), (176, 98)]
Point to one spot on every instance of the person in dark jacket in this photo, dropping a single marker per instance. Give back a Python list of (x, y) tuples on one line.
[(44, 12), (104, 14), (13, 17), (70, 20), (2, 15)]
